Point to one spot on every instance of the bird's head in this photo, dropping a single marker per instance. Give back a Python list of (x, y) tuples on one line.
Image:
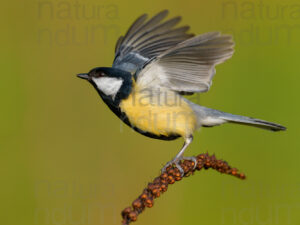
[(112, 84)]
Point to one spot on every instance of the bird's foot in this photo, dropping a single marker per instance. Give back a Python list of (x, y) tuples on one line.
[(171, 163), (176, 162), (193, 159)]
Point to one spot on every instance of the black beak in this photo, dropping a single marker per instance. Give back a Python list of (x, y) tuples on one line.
[(84, 76)]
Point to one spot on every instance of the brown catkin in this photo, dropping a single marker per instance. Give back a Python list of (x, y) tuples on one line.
[(160, 184)]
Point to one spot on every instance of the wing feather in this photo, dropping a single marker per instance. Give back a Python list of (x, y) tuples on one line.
[(145, 40), (190, 65)]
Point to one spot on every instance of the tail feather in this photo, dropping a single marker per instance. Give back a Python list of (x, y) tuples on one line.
[(211, 117), (252, 122)]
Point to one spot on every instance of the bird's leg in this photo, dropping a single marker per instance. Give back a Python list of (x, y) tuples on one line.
[(179, 157)]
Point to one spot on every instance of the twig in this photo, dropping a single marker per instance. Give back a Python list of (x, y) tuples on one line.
[(172, 174)]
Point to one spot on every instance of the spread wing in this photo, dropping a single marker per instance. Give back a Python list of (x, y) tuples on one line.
[(190, 65), (147, 39)]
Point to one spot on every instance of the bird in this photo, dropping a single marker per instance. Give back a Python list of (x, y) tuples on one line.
[(156, 65)]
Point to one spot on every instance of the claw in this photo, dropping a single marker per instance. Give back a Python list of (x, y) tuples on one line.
[(163, 170), (176, 163), (180, 169), (191, 158)]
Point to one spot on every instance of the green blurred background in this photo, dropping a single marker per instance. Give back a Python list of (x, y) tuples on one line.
[(67, 160)]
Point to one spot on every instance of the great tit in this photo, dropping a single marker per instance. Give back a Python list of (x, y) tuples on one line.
[(155, 65)]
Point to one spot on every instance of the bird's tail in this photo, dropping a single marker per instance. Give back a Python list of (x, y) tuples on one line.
[(252, 122), (211, 117)]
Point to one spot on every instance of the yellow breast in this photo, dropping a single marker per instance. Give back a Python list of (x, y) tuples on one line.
[(160, 112)]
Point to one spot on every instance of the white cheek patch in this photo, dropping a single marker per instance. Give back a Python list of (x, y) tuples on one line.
[(109, 85)]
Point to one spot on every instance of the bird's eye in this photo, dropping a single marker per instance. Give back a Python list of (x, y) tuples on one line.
[(99, 74)]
